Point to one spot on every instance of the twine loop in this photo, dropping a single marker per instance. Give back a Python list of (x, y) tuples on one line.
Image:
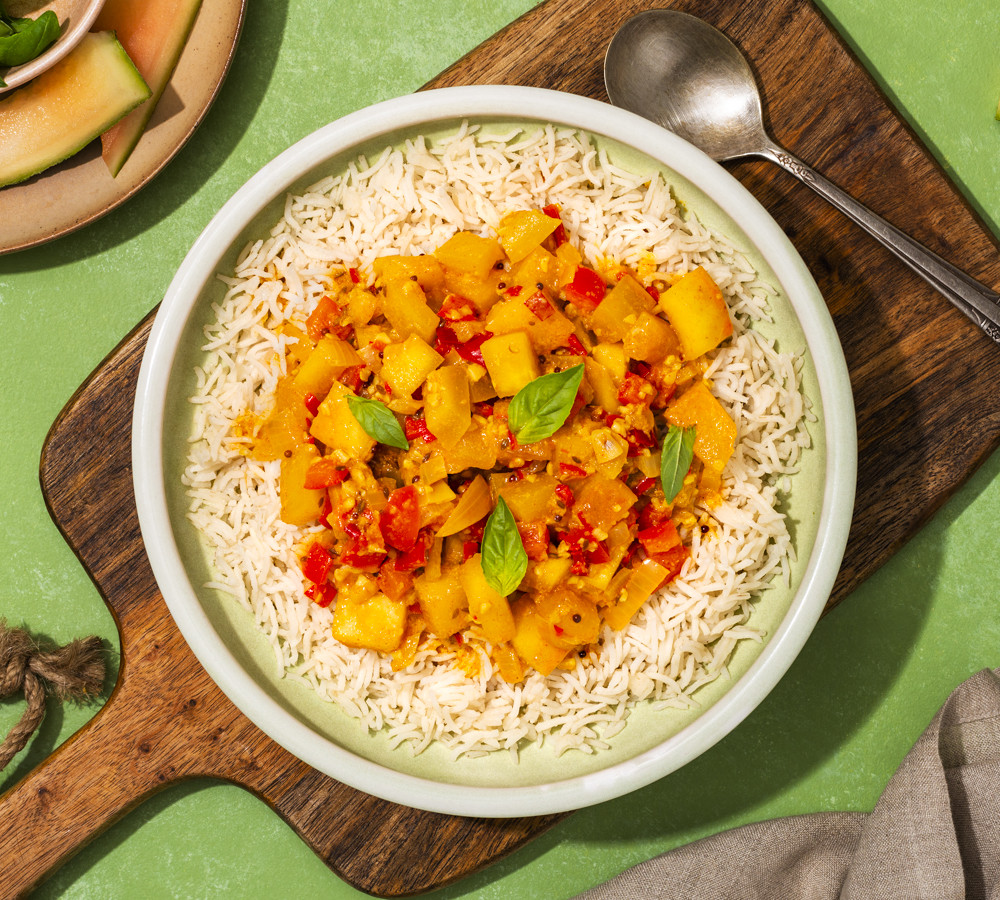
[(72, 672)]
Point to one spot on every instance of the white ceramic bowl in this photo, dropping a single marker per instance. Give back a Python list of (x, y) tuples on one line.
[(240, 660), (75, 18)]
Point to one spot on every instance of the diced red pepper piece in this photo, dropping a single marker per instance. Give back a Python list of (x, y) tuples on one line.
[(636, 390), (654, 293), (324, 516), (351, 377), (483, 409), (659, 538), (355, 275), (586, 290), (394, 583), (321, 594), (399, 522), (312, 403), (471, 350), (535, 538), (415, 558), (415, 428), (469, 549), (645, 485), (323, 318), (559, 235), (574, 345), (673, 561), (324, 473), (457, 309), (514, 290), (316, 564), (598, 553), (539, 305), (565, 494), (568, 470)]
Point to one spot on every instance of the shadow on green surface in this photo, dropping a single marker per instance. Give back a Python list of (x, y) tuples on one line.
[(201, 157)]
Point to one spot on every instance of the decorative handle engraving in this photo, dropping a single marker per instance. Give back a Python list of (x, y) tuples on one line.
[(978, 302)]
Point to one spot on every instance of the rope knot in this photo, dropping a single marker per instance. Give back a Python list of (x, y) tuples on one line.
[(73, 672)]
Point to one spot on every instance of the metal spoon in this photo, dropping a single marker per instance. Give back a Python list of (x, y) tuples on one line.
[(682, 73)]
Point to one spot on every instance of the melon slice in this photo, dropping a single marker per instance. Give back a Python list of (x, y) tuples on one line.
[(62, 110), (153, 33)]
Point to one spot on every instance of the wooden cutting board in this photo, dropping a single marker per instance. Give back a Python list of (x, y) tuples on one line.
[(928, 413)]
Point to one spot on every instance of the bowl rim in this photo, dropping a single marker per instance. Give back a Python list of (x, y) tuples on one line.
[(18, 75), (524, 104)]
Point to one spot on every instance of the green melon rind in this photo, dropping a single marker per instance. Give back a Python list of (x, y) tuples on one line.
[(119, 142), (57, 114)]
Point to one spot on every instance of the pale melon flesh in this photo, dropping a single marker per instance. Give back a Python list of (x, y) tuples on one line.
[(58, 113), (153, 34)]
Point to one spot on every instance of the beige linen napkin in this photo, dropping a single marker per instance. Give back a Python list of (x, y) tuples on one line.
[(933, 835)]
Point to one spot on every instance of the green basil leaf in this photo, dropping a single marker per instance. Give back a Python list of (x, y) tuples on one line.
[(29, 39), (504, 559), (675, 459), (379, 422), (539, 409)]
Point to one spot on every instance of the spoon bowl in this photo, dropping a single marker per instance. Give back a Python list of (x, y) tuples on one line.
[(684, 74)]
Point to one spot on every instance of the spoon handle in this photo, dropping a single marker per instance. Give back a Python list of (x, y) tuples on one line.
[(974, 299)]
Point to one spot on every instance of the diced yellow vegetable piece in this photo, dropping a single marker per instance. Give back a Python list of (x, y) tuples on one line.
[(511, 361), (469, 253), (442, 602), (715, 431), (546, 574), (405, 365), (612, 357), (571, 619), (427, 270), (324, 365), (477, 450), (336, 427), (376, 622), (532, 499), (434, 469), (529, 639), (602, 501), (447, 408), (697, 313), (474, 503), (404, 304), (513, 314), (285, 426), (605, 390), (645, 578), (508, 663), (362, 305), (620, 310), (407, 650), (302, 345), (490, 609), (539, 267), (299, 506), (523, 230), (651, 339)]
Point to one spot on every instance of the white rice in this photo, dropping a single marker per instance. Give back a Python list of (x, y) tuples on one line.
[(409, 201)]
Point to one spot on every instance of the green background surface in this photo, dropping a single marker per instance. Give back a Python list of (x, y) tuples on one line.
[(828, 737)]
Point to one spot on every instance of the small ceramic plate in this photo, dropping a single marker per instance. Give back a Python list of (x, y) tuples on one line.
[(81, 189), (238, 656), (75, 18)]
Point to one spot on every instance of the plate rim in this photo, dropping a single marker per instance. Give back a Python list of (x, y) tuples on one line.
[(527, 103), (92, 213)]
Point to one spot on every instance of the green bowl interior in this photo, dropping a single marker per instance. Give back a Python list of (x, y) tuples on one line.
[(647, 726)]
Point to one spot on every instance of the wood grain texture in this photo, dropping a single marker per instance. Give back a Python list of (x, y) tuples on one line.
[(921, 375)]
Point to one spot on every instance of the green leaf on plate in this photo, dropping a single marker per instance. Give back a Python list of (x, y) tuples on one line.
[(379, 422), (675, 459), (504, 558), (539, 409)]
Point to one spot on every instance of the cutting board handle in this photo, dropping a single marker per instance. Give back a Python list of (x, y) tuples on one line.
[(108, 767)]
